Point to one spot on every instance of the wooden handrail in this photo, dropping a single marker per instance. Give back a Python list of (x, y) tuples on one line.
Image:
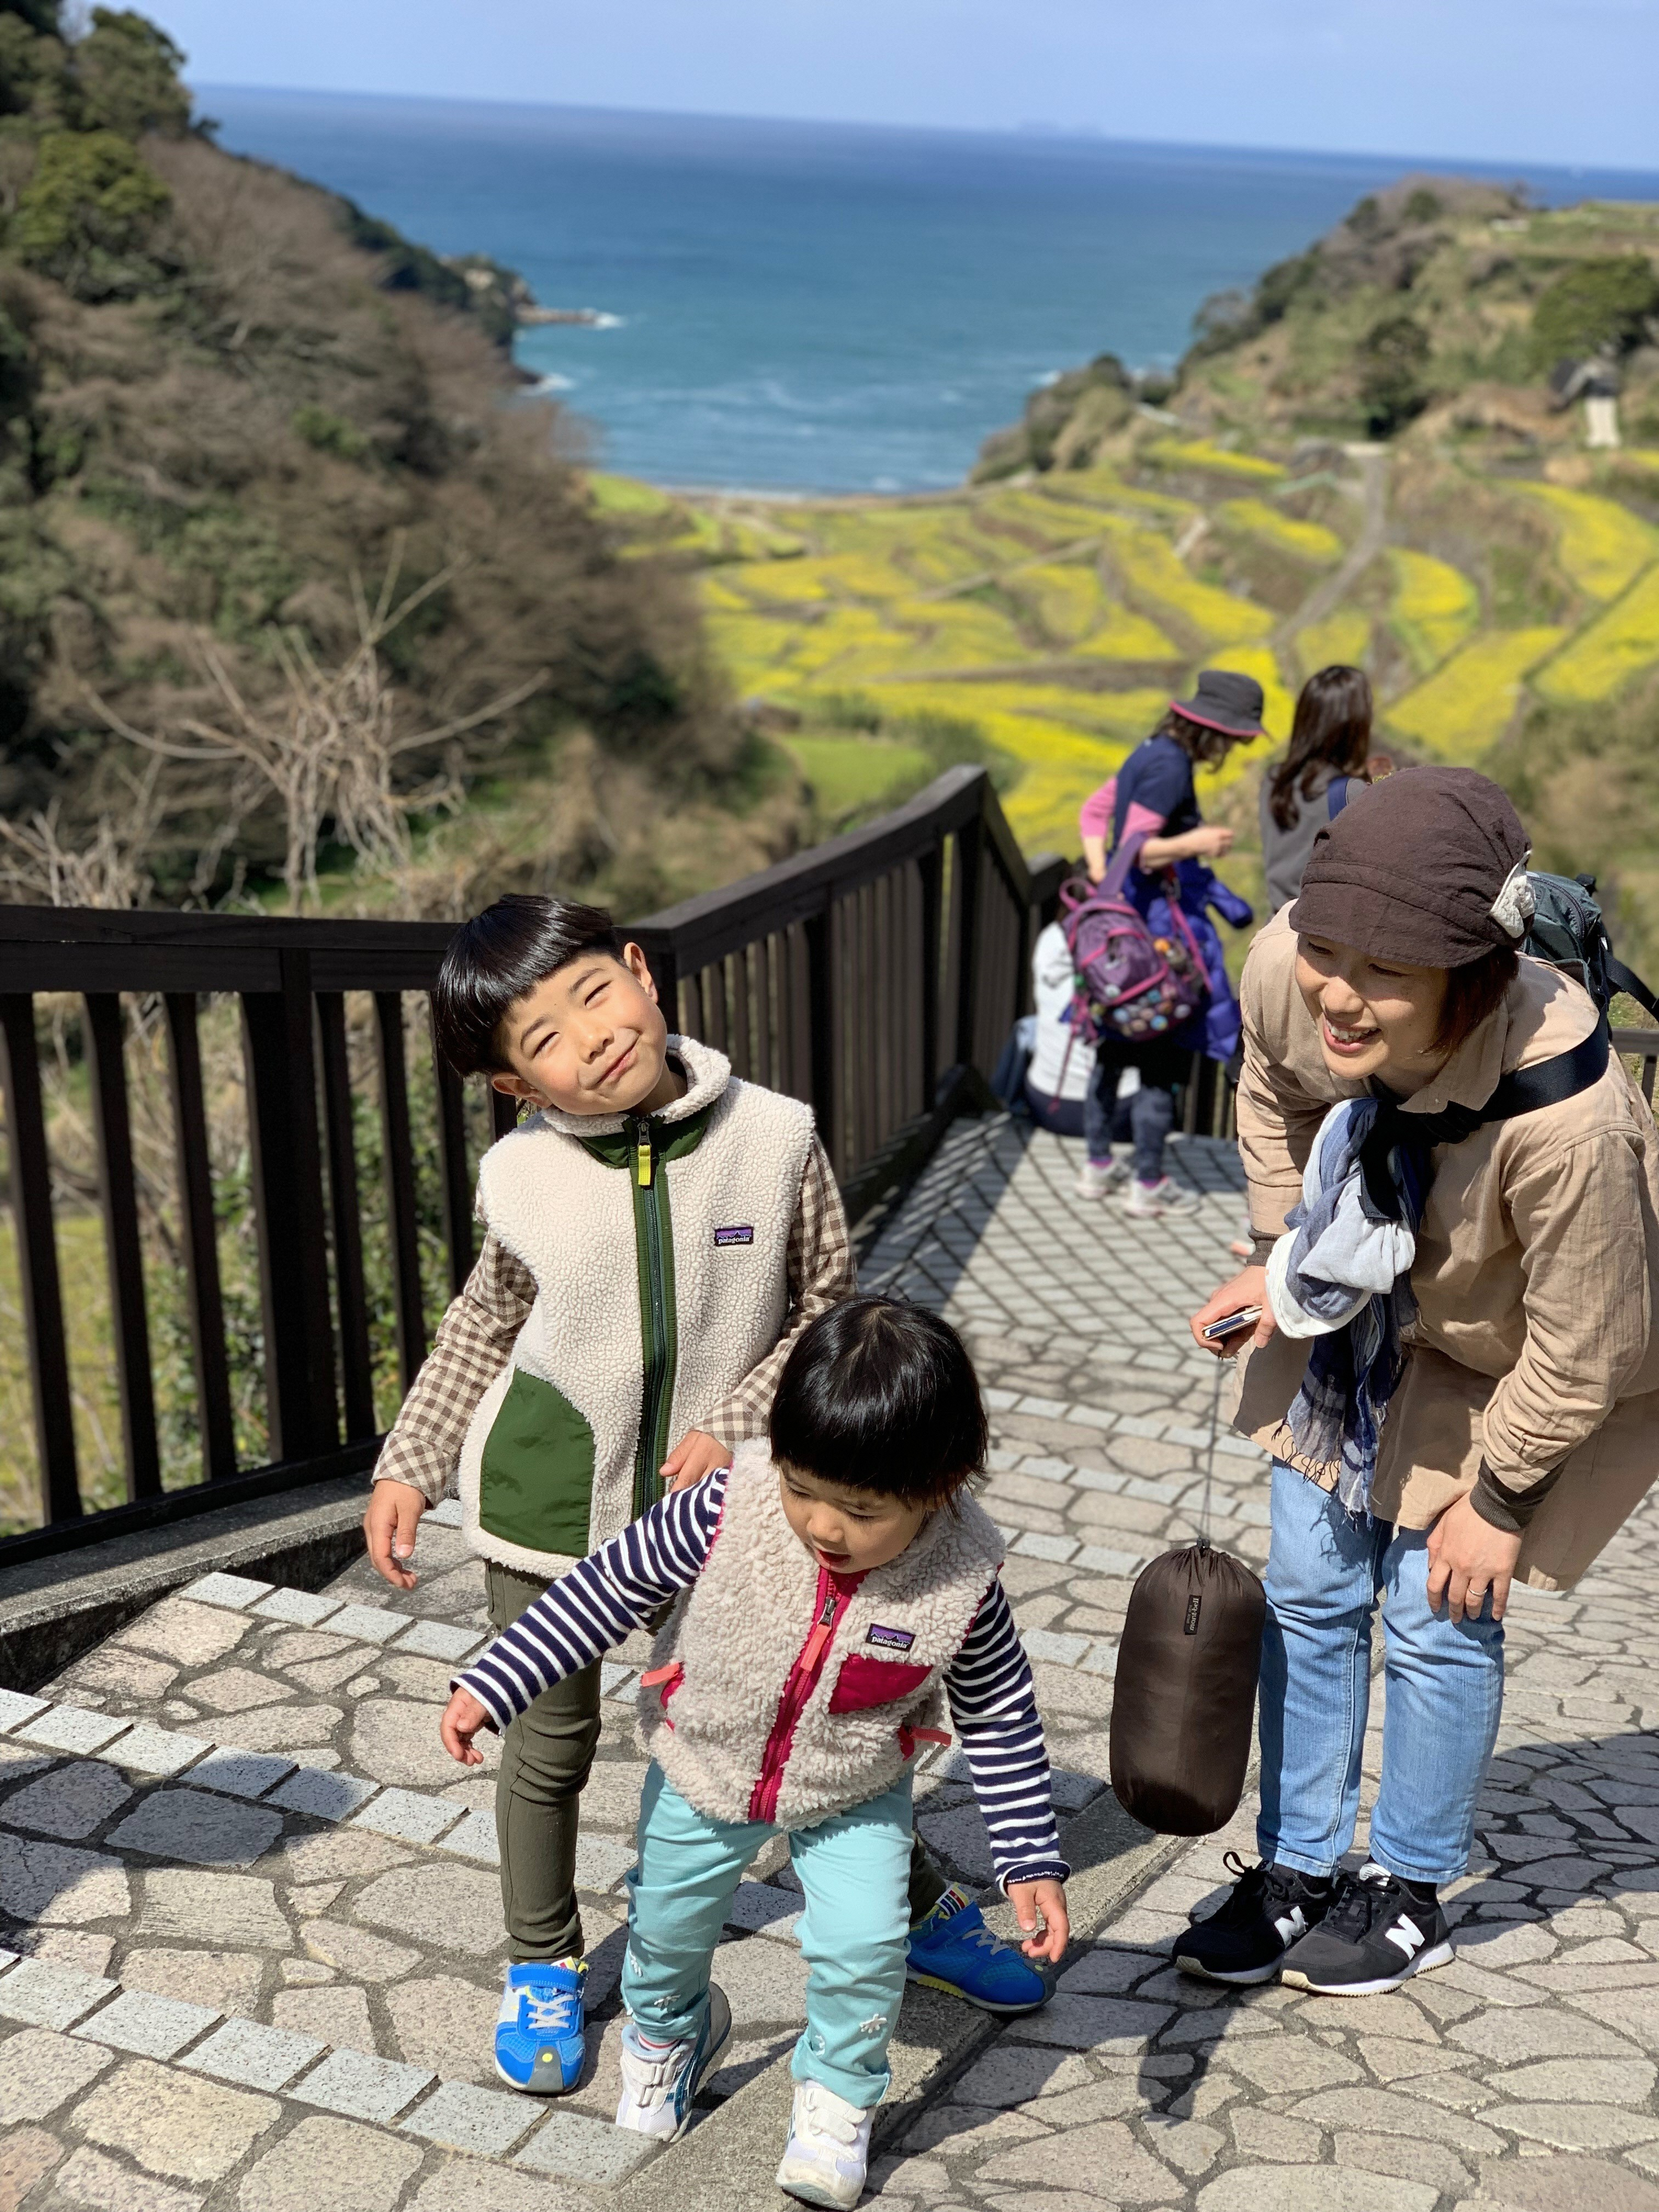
[(876, 975)]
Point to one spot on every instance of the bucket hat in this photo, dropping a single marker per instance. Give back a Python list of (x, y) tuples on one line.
[(1224, 701), (1428, 867)]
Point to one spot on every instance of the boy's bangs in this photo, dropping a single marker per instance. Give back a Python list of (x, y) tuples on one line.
[(498, 958)]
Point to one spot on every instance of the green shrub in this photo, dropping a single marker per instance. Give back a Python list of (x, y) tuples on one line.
[(1602, 303), (1393, 356), (127, 70), (1424, 206), (87, 213), (329, 433)]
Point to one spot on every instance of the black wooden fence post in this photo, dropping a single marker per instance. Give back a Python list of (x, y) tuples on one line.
[(288, 1182), (37, 1261), (112, 1126)]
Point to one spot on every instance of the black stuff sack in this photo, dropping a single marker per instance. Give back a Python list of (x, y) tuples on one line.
[(1183, 1707)]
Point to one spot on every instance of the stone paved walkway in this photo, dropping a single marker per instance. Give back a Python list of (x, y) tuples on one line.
[(259, 1937)]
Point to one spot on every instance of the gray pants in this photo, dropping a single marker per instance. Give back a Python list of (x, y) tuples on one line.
[(546, 1754)]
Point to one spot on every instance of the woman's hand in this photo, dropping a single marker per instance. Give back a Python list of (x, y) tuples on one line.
[(462, 1717), (1247, 1289), (1047, 1899), (1468, 1557), (1094, 857), (696, 1455)]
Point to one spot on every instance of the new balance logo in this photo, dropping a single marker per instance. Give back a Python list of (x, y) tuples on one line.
[(1291, 1924), (1405, 1936)]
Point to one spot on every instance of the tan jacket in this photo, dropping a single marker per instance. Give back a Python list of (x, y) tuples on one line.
[(1535, 1278)]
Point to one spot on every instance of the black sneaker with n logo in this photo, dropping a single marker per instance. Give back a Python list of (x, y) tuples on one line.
[(1378, 1933), (1243, 1941)]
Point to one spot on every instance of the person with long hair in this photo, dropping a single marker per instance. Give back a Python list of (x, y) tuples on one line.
[(1330, 736), (1152, 802)]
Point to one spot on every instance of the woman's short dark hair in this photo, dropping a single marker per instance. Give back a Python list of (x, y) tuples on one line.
[(494, 960), (1473, 991), (1332, 727), (1207, 746), (880, 1395)]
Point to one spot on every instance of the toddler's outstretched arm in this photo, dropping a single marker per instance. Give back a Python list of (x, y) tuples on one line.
[(585, 1613)]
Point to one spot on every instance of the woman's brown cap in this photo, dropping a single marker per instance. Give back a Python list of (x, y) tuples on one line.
[(1425, 867)]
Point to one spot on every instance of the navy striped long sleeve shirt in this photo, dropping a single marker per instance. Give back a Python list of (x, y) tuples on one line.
[(617, 1588)]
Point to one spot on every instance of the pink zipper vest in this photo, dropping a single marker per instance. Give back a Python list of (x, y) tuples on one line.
[(779, 1692)]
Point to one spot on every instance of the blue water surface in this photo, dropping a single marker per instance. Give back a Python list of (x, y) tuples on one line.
[(818, 307)]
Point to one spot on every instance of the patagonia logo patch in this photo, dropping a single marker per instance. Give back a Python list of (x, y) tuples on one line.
[(890, 1639), (737, 1232)]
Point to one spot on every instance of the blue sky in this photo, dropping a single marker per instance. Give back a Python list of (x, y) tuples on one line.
[(1557, 80)]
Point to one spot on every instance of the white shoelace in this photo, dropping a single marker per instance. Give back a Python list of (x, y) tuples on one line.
[(549, 2014)]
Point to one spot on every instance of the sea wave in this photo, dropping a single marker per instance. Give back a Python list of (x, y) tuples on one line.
[(554, 382)]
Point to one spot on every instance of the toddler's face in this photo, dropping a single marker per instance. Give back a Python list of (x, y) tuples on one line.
[(591, 1039), (848, 1531)]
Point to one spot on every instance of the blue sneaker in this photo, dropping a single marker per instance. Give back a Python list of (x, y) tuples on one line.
[(953, 1949), (540, 2038)]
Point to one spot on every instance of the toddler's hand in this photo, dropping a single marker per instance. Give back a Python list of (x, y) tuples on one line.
[(463, 1717), (1046, 1899), (696, 1455)]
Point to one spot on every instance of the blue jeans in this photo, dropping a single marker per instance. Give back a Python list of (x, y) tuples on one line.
[(854, 1927), (1149, 1113), (1444, 1684)]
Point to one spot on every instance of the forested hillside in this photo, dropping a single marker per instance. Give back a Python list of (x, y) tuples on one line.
[(293, 571)]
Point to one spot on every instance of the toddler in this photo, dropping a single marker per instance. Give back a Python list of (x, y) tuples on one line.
[(831, 1595)]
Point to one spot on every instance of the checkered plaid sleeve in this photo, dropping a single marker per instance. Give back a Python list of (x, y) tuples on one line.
[(473, 1341), (821, 1272)]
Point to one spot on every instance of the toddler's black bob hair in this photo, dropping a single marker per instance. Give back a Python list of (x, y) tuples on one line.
[(880, 1395), (493, 960)]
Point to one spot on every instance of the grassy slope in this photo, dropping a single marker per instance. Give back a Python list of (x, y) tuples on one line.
[(1511, 621)]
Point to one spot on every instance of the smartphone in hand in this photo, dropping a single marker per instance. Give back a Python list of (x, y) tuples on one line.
[(1229, 1324)]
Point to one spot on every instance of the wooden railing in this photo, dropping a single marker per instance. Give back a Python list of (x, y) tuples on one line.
[(868, 976)]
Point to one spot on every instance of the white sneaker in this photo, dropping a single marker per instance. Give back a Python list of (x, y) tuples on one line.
[(1154, 1201), (660, 2080), (829, 2148), (1099, 1179)]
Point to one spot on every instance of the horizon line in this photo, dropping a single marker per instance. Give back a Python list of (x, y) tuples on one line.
[(1033, 133)]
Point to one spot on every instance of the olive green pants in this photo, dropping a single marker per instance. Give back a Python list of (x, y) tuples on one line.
[(546, 1754)]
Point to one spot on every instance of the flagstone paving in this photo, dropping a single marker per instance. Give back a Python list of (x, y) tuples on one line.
[(257, 1931)]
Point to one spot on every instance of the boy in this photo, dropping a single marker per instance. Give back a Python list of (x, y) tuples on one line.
[(657, 1235), (831, 1595)]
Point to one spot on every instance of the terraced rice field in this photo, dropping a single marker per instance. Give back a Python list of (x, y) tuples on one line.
[(1049, 622)]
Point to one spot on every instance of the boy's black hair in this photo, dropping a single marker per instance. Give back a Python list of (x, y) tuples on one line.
[(881, 1395), (493, 960)]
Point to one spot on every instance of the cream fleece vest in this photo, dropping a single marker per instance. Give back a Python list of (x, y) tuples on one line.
[(548, 1467), (738, 1630)]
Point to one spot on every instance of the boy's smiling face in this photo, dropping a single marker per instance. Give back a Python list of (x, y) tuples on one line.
[(591, 1039), (848, 1531)]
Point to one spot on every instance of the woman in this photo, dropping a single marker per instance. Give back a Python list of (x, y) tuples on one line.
[(1330, 736), (1472, 1257), (1152, 801)]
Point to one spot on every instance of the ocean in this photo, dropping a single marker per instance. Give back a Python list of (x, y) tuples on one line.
[(815, 307)]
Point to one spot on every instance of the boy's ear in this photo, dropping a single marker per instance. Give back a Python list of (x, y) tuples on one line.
[(639, 967), (514, 1086)]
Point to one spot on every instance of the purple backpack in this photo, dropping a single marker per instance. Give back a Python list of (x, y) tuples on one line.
[(1131, 985)]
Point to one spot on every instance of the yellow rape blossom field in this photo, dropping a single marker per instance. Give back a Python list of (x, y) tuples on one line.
[(1043, 624)]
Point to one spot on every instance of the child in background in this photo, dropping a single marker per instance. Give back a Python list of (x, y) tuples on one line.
[(828, 1592), (657, 1234)]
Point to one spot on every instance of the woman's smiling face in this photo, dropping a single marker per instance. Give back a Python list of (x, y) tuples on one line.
[(1375, 1017)]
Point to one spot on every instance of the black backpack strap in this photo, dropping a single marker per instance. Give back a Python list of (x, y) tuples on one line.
[(1548, 1082), (1621, 979)]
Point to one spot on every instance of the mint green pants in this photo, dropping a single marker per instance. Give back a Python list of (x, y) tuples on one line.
[(855, 1871)]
